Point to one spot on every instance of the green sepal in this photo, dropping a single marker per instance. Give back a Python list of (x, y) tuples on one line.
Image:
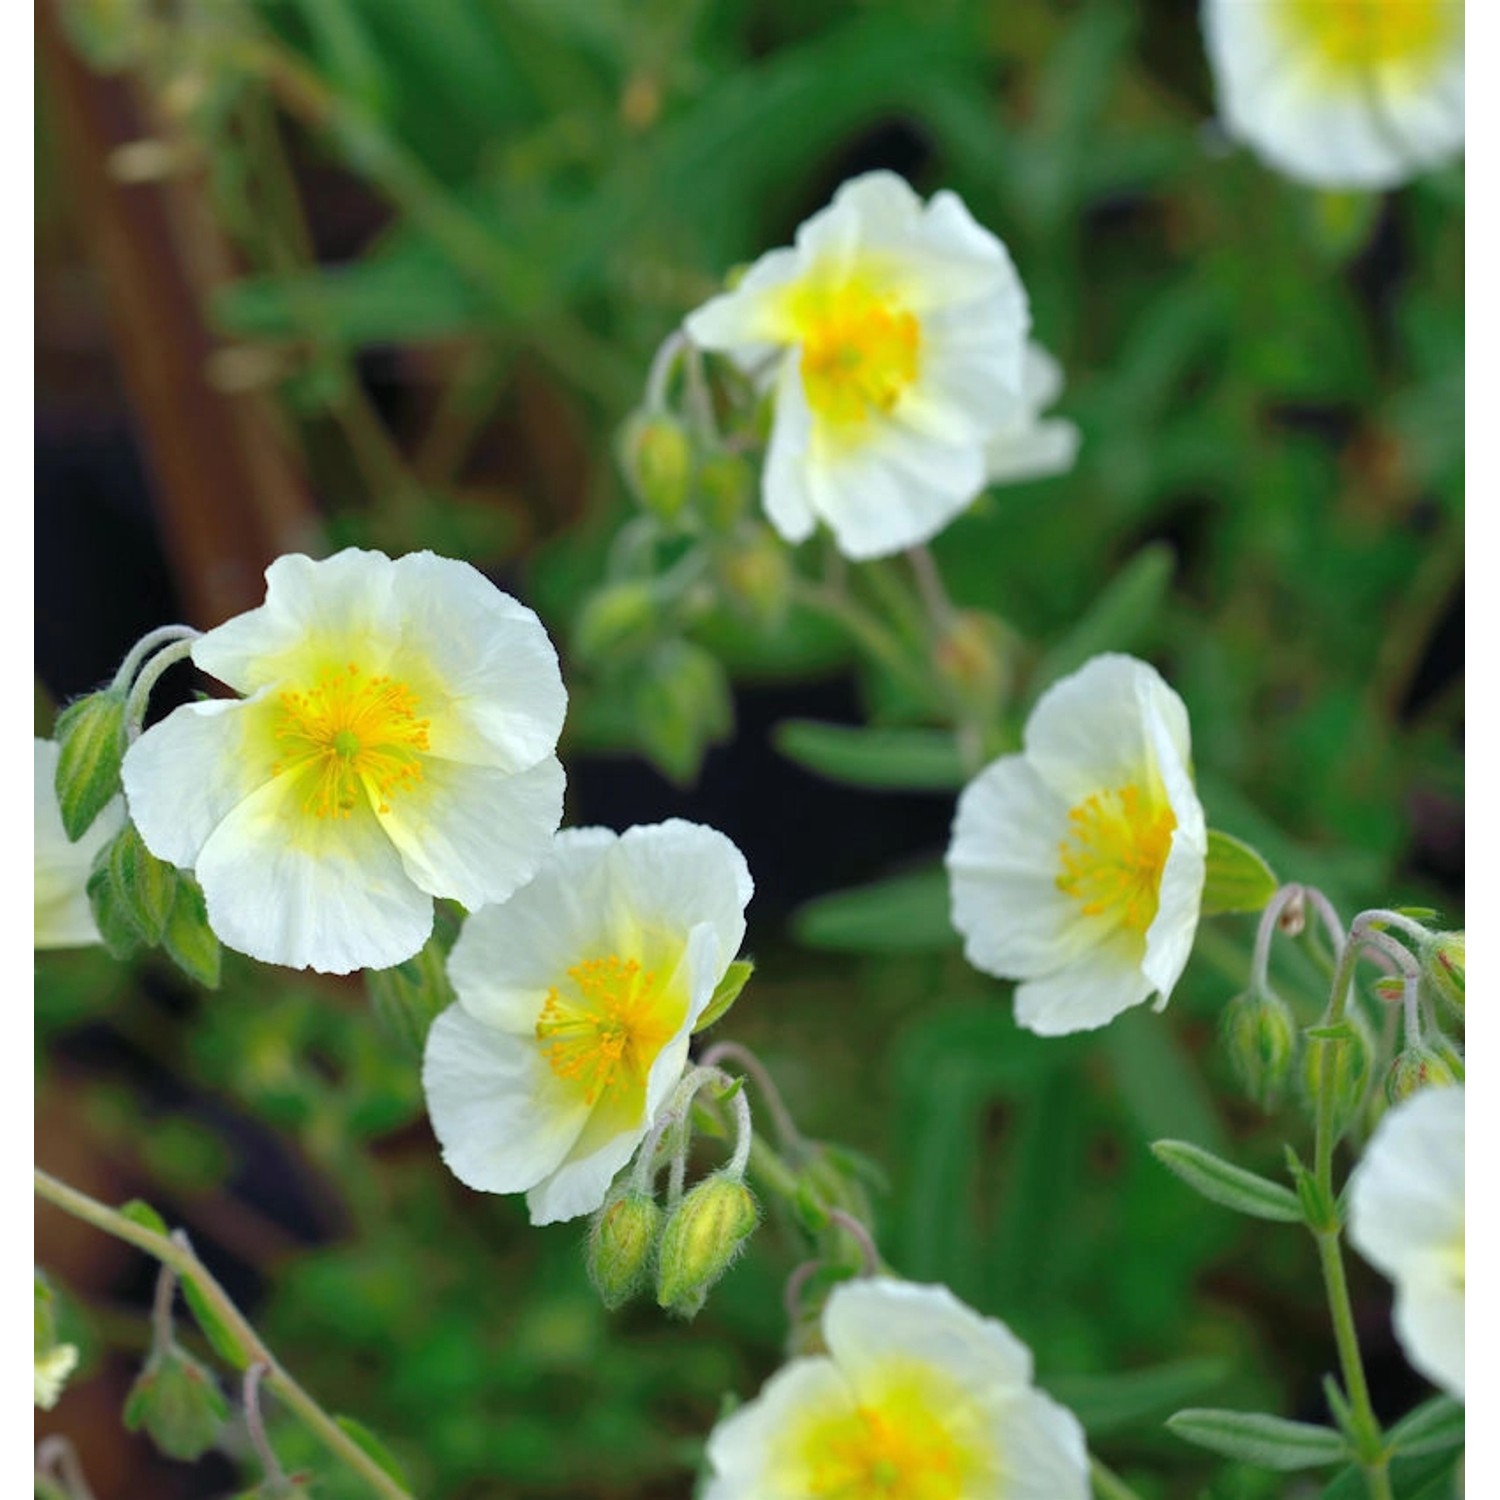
[(138, 1211), (1318, 1210), (90, 738), (1256, 1438), (736, 976), (1232, 1187), (1237, 877), (118, 931), (225, 1342), (377, 1451), (178, 1402), (145, 886), (189, 940)]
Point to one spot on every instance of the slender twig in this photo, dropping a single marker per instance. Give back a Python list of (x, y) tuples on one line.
[(759, 1074), (255, 1425), (143, 648), (860, 1234), (140, 694), (931, 586)]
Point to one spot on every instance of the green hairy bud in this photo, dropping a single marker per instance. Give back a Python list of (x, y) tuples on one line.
[(90, 736), (1419, 1068), (757, 576), (1353, 1058), (622, 1241), (1260, 1035), (704, 1234), (656, 454), (619, 618), (176, 1400), (726, 486), (1443, 969)]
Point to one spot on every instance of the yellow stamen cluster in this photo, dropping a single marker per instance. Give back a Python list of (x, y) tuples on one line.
[(355, 733), (859, 353), (1352, 36), (608, 1031), (897, 1451), (1114, 853)]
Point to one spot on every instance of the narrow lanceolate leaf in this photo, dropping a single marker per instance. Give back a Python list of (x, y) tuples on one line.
[(1434, 1426), (736, 976), (1107, 1404), (1254, 1438), (1221, 1182), (1238, 877), (906, 914), (225, 1341), (920, 760), (375, 1448), (90, 738), (138, 1211)]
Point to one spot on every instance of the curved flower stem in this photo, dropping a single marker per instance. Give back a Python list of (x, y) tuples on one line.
[(759, 1074), (55, 1454), (1107, 1484), (931, 586), (672, 348), (181, 1258), (256, 1426), (152, 641), (861, 1236), (866, 632), (140, 694)]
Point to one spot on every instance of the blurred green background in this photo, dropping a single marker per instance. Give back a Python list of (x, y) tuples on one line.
[(313, 272)]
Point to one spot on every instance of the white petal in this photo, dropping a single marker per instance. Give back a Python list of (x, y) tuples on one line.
[(498, 1112), (1041, 377), (1429, 1322), (310, 893), (869, 1323), (1169, 939), (581, 1183), (968, 384), (1045, 1453), (1093, 989), (502, 695), (785, 490), (1003, 865), (1032, 452), (750, 323), (341, 603), (892, 490), (474, 833), (1088, 731), (752, 1453), (185, 775), (509, 955)]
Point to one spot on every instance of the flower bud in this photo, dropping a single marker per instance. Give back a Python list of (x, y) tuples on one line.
[(1260, 1034), (621, 1244), (757, 576), (617, 619), (656, 454), (974, 656), (176, 1400), (681, 705), (90, 736), (145, 886), (703, 1235), (1418, 1068), (1443, 969), (1353, 1058), (726, 486)]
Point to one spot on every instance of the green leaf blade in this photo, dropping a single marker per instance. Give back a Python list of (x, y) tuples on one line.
[(887, 759), (1238, 879), (1227, 1185), (1254, 1438)]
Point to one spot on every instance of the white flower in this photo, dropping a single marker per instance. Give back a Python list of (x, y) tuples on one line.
[(395, 743), (64, 918), (53, 1366), (1341, 93), (1406, 1217), (1027, 446), (576, 1000), (893, 336), (1077, 866), (918, 1398)]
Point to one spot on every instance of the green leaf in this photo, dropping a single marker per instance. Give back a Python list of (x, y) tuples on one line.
[(145, 885), (909, 759), (1228, 1185), (1107, 1404), (1118, 619), (188, 938), (375, 1448), (1433, 1427), (735, 978), (1254, 1438), (1238, 877), (178, 1402), (138, 1211), (90, 737), (1426, 1476), (905, 914), (681, 705), (224, 1340)]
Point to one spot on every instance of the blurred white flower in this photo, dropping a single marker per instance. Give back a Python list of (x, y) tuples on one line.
[(52, 1370), (395, 743), (576, 1001), (1406, 1217), (918, 1398), (893, 337), (64, 918), (1029, 446), (1078, 865), (1341, 93)]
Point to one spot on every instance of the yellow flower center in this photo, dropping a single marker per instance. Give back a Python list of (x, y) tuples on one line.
[(859, 352), (1114, 853), (607, 1031), (900, 1450), (353, 733), (1352, 36)]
